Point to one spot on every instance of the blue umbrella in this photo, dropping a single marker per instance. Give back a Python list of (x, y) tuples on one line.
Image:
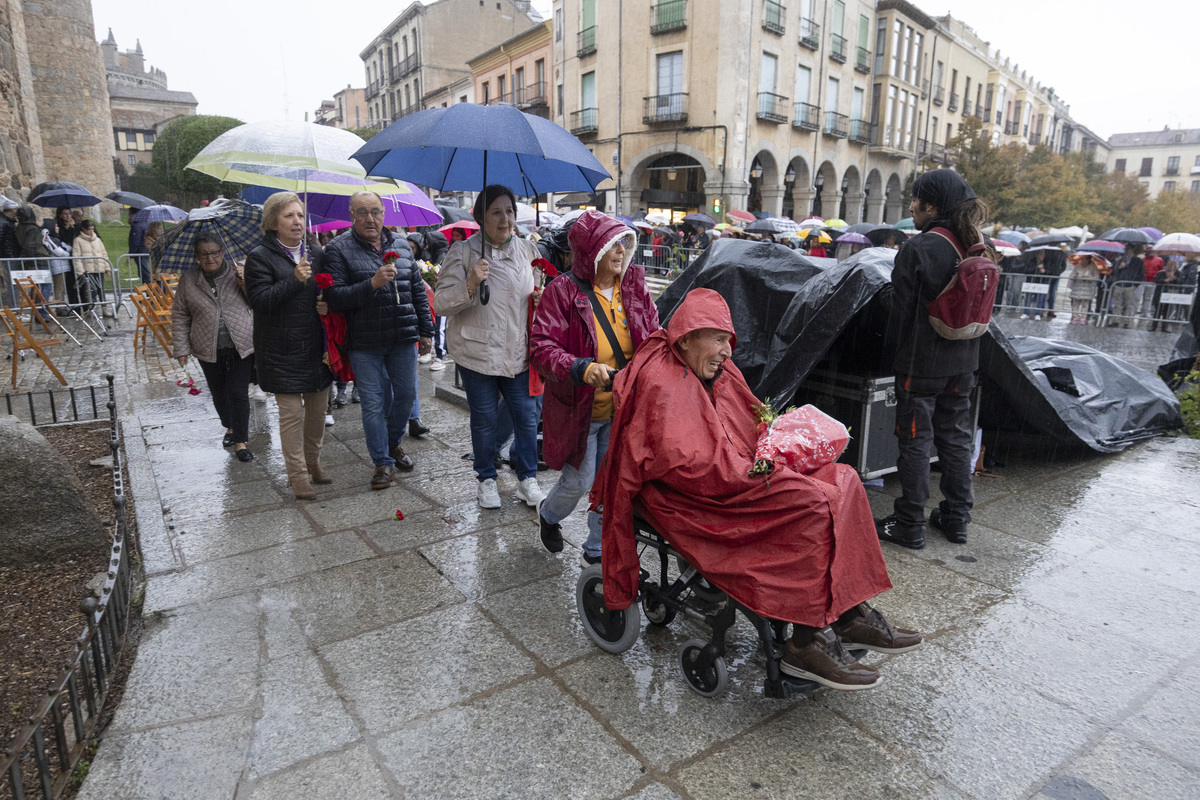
[(466, 146), (59, 194), (700, 219), (162, 213), (1013, 237)]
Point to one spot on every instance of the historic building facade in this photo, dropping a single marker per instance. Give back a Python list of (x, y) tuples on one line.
[(1164, 161)]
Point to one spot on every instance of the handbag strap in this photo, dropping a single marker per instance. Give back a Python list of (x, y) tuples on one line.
[(602, 318)]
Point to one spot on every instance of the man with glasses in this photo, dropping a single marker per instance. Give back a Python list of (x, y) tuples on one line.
[(387, 314)]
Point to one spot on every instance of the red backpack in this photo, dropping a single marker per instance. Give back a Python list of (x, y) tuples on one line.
[(964, 308)]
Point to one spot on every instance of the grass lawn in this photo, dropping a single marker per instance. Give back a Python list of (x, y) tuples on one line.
[(115, 236)]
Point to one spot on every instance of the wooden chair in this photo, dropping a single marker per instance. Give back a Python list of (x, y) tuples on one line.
[(150, 318), (23, 339), (31, 297)]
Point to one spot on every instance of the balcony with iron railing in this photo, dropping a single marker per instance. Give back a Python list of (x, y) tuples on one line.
[(985, 115), (583, 121), (1012, 127), (939, 95), (404, 112), (668, 15), (862, 131), (810, 34), (836, 125), (1035, 139), (773, 16), (937, 153), (966, 107), (924, 88), (665, 108), (806, 117), (770, 107), (587, 42), (410, 64), (953, 102), (1171, 172), (922, 148), (373, 89), (533, 94), (837, 48), (377, 124), (862, 61)]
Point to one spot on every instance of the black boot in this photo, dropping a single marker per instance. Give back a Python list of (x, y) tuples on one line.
[(416, 429)]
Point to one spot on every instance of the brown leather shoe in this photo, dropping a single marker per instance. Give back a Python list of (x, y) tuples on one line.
[(403, 462), (319, 475), (825, 661), (303, 489), (382, 478), (870, 631)]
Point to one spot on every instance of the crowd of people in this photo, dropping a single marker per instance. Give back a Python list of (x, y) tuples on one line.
[(67, 246)]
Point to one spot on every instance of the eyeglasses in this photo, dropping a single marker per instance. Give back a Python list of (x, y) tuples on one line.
[(373, 213), (210, 255)]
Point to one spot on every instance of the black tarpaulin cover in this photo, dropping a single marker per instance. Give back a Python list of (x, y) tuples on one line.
[(792, 312)]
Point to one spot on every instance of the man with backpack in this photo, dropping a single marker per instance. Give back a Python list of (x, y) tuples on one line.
[(942, 296)]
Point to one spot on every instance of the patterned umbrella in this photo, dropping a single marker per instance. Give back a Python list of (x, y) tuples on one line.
[(741, 216), (1102, 246), (238, 225)]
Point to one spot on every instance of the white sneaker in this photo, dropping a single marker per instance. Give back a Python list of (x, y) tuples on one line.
[(1024, 316), (1038, 318), (329, 420), (425, 359), (529, 491), (438, 364), (488, 496), (257, 393)]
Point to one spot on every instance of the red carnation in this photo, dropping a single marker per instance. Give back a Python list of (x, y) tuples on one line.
[(390, 256), (546, 267), (324, 280), (399, 514)]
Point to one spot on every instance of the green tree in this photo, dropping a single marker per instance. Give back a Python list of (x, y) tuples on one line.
[(993, 172), (176, 146), (1173, 212)]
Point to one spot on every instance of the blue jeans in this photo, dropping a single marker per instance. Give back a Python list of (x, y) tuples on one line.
[(574, 483), (504, 428), (482, 393), (386, 382)]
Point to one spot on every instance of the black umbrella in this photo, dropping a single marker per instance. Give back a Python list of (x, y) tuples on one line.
[(455, 214), (1128, 236), (131, 199), (700, 219), (1052, 238), (59, 194), (866, 227)]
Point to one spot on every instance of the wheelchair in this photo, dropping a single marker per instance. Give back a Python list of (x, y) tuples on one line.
[(662, 600)]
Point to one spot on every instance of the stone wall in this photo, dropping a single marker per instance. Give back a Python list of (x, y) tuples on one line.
[(71, 90), (20, 146)]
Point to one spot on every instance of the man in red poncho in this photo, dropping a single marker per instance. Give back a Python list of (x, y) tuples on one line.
[(799, 548)]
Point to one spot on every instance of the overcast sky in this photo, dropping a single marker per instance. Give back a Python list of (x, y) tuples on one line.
[(1121, 66)]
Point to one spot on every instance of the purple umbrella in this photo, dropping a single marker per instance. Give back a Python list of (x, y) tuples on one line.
[(1101, 246), (1153, 233), (853, 238), (160, 213), (407, 210)]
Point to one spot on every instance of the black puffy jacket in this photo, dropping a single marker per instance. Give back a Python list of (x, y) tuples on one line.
[(397, 313), (289, 339)]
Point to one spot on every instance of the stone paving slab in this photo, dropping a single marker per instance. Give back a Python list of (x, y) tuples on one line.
[(325, 649)]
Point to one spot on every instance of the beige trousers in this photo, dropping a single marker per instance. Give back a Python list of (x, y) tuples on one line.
[(301, 430)]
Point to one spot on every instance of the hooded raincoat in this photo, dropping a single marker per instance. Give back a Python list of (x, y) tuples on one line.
[(797, 548), (564, 337)]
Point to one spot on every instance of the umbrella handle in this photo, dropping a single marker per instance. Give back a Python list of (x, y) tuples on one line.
[(485, 293)]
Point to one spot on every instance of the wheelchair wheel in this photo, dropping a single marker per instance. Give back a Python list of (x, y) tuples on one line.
[(614, 631), (702, 590), (707, 677), (657, 612)]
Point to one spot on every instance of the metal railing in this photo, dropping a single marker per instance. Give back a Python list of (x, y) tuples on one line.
[(837, 48), (665, 108), (377, 124), (966, 109), (939, 95), (773, 16), (410, 63), (1132, 302), (373, 89), (836, 124), (770, 107), (810, 34), (668, 15), (953, 106), (862, 131), (88, 291), (65, 405), (663, 262), (48, 748), (807, 116), (530, 94), (587, 42), (862, 60), (924, 88), (583, 121)]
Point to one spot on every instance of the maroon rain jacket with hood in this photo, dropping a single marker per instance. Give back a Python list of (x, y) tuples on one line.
[(563, 340)]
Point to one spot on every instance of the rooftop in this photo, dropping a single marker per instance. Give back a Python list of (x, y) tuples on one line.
[(1166, 136)]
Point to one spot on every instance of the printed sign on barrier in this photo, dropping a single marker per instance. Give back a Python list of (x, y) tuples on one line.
[(38, 275)]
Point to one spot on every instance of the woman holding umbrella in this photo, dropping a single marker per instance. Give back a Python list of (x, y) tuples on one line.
[(211, 320), (289, 339), (484, 290)]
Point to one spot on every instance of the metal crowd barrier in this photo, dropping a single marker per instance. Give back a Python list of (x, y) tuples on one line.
[(1128, 298), (38, 269), (665, 259), (1030, 294)]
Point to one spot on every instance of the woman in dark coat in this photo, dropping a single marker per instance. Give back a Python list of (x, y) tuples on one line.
[(289, 339)]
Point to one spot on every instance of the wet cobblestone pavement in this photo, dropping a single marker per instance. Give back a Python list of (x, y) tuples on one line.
[(324, 649)]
